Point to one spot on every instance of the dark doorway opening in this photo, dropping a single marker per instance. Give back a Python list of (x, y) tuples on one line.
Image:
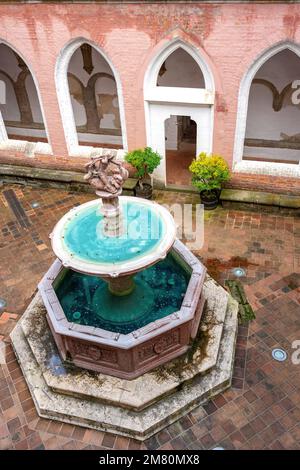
[(180, 138)]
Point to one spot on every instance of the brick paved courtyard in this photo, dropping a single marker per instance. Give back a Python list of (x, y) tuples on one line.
[(262, 408)]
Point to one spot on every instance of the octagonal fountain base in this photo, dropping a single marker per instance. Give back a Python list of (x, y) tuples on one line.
[(126, 349), (137, 408)]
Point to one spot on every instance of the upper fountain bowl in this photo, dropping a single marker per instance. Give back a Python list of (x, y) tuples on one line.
[(79, 241)]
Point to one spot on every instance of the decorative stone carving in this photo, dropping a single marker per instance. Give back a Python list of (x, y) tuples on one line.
[(106, 174), (160, 346), (84, 351), (94, 353), (167, 342)]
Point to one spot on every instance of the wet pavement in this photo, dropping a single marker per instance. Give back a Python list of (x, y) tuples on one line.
[(260, 410)]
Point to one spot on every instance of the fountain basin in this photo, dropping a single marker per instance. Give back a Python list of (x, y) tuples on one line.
[(80, 242), (123, 353), (158, 292)]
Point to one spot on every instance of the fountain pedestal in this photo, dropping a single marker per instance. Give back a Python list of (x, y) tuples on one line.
[(120, 286), (112, 224)]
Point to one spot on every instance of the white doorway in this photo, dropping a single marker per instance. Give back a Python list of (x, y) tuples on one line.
[(159, 113)]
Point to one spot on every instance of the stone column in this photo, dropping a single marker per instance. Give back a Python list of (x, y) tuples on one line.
[(112, 220), (122, 285)]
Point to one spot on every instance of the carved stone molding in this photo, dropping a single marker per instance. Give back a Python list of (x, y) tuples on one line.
[(81, 350)]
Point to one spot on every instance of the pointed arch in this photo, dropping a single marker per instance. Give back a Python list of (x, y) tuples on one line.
[(24, 103), (162, 101), (64, 97), (283, 169), (150, 80)]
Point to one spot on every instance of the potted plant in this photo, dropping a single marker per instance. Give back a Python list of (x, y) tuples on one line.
[(144, 161), (208, 174)]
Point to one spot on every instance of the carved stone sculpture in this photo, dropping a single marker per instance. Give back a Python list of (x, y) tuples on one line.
[(106, 174)]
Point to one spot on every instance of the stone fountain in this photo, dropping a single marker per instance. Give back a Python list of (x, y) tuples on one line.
[(127, 331)]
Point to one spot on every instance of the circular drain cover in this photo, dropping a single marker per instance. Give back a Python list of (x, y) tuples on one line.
[(2, 303), (239, 272), (279, 355)]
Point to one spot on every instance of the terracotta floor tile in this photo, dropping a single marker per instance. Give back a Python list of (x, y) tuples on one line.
[(108, 440), (42, 424), (66, 430), (121, 443), (13, 425), (54, 427), (22, 445), (134, 445), (78, 433), (6, 443), (207, 441)]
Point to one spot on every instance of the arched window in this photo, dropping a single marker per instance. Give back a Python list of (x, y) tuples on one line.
[(273, 120), (20, 106), (180, 70), (89, 97), (268, 130)]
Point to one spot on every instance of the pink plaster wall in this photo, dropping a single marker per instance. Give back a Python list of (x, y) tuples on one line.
[(231, 36)]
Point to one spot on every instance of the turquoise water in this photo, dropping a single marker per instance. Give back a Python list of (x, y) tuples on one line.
[(159, 292), (142, 231)]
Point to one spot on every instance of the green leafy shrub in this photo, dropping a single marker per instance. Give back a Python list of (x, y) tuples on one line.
[(144, 161), (209, 172)]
